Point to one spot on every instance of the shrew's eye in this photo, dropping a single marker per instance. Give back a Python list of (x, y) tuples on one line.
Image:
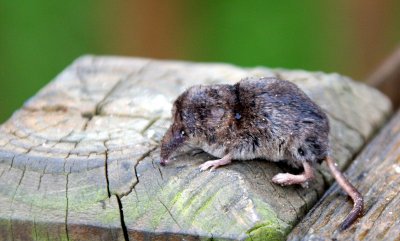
[(183, 133)]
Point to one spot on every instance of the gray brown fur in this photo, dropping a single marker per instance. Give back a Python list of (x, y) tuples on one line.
[(256, 118), (263, 118)]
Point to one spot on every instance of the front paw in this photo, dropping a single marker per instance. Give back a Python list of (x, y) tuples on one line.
[(206, 165)]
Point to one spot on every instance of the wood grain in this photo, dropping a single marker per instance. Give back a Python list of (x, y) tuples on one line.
[(376, 174), (79, 161)]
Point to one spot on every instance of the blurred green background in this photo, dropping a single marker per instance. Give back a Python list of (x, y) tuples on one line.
[(38, 39)]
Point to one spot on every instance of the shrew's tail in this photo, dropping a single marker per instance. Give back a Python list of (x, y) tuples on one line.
[(351, 190)]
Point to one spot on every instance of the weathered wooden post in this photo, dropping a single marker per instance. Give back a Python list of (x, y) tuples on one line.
[(79, 161)]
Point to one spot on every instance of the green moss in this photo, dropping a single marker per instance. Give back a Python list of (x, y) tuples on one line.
[(86, 197), (265, 231), (138, 207), (50, 202), (5, 228), (48, 231), (157, 216), (79, 200), (205, 208), (191, 207), (271, 227), (110, 216), (177, 197), (206, 205), (264, 210)]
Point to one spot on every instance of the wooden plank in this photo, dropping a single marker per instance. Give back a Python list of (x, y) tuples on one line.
[(80, 159), (387, 78), (376, 174)]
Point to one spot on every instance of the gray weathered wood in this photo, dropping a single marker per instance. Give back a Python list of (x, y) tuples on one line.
[(79, 161), (376, 173)]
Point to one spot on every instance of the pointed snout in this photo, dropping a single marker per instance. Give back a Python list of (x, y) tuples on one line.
[(164, 162), (171, 143)]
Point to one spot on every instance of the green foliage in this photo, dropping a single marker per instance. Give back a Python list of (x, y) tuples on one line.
[(40, 38)]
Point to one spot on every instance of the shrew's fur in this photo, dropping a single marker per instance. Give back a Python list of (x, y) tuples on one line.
[(263, 118)]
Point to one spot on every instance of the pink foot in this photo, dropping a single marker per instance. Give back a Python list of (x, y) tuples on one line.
[(286, 179), (216, 163)]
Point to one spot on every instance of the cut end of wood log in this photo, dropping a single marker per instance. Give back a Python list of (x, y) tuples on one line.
[(80, 160)]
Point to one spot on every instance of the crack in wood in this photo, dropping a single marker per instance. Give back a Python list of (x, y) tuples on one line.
[(18, 155), (49, 109), (146, 154), (251, 237), (18, 185), (302, 198), (122, 218), (46, 127), (13, 133), (11, 220), (161, 175), (12, 229), (71, 151), (106, 169), (84, 127), (99, 105), (40, 181), (151, 123), (87, 115), (170, 214), (12, 162), (157, 167), (387, 201), (67, 205), (7, 143), (65, 138), (34, 227), (4, 170), (132, 116)]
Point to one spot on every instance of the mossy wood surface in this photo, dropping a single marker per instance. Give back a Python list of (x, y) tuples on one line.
[(376, 173), (79, 161)]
